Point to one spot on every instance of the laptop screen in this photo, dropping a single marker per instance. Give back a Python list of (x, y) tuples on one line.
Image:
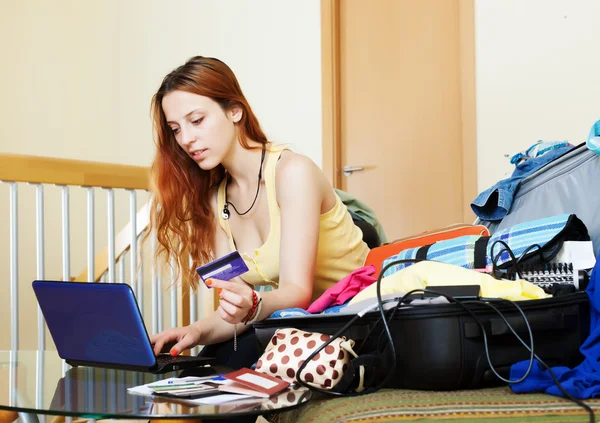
[(95, 322)]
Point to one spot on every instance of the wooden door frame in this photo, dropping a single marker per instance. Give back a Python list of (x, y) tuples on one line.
[(331, 106), (330, 91)]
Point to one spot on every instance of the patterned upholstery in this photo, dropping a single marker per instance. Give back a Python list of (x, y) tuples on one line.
[(494, 405)]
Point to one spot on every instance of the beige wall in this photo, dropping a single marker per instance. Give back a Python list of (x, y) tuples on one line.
[(77, 79), (78, 76), (538, 76)]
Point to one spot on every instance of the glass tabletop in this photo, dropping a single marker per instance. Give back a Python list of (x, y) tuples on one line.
[(40, 382)]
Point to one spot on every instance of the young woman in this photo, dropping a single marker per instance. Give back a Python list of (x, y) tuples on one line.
[(219, 185)]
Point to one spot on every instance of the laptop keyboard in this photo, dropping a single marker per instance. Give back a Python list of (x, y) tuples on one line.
[(168, 358)]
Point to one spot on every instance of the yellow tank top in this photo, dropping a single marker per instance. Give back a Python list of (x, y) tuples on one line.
[(341, 249)]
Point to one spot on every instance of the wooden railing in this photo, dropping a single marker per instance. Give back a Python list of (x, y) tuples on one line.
[(122, 245), (19, 170), (52, 171), (44, 170)]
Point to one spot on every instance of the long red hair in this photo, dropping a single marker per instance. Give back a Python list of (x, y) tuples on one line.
[(181, 213)]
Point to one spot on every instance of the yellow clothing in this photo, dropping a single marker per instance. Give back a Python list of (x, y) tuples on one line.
[(428, 273), (341, 249)]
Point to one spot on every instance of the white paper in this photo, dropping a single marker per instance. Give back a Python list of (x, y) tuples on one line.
[(140, 390), (219, 399), (257, 380), (147, 388), (180, 380)]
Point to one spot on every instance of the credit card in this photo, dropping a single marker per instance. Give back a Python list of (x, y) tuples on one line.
[(224, 268)]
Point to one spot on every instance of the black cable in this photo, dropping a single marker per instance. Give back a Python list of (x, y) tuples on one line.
[(543, 363), (380, 304), (497, 257), (393, 311), (533, 355), (530, 349), (524, 253), (323, 346), (485, 340), (566, 394), (318, 350), (461, 304), (225, 211), (383, 319), (514, 261)]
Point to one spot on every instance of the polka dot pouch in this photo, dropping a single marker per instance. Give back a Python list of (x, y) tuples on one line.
[(289, 348)]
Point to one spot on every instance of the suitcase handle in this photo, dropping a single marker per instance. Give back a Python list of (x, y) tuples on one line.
[(538, 322)]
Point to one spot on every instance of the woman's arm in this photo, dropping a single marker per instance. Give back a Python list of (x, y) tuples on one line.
[(212, 329), (301, 188)]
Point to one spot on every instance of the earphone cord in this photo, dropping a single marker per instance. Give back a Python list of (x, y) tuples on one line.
[(262, 158)]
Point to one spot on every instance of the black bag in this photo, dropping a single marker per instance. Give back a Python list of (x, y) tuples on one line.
[(441, 347)]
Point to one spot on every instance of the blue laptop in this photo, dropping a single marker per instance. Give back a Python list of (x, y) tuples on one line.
[(100, 325)]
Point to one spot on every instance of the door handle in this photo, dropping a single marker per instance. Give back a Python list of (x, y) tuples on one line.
[(348, 170)]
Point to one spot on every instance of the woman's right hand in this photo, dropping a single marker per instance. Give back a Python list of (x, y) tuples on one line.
[(176, 340)]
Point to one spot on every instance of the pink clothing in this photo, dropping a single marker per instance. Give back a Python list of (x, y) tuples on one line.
[(344, 290)]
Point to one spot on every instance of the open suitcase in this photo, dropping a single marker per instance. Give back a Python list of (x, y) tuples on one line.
[(441, 347), (568, 184)]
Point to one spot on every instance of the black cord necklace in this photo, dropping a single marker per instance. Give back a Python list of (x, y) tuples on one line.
[(225, 213)]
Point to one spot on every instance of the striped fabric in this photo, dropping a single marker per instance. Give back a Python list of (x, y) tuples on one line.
[(522, 236), (460, 251), (493, 405)]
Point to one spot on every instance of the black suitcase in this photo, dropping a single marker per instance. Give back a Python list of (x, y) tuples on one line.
[(441, 347)]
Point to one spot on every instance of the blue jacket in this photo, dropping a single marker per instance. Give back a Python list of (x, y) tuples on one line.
[(495, 202)]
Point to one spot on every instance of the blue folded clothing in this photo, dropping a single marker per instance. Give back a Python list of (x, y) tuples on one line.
[(298, 312), (495, 202), (289, 312)]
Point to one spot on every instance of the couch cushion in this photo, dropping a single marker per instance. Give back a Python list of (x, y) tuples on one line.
[(497, 404)]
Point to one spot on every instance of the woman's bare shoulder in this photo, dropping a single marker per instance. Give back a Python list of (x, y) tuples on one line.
[(296, 171), (292, 164)]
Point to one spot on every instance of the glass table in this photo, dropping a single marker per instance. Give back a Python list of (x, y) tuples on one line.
[(38, 383)]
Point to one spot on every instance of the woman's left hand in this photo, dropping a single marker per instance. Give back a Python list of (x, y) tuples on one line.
[(236, 299)]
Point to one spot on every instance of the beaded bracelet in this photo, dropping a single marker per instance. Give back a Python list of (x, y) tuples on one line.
[(255, 317), (255, 310)]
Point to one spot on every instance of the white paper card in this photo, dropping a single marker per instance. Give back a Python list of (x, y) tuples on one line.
[(219, 399), (257, 380)]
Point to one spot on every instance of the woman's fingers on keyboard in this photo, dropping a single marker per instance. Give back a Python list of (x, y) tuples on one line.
[(158, 347), (163, 340)]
